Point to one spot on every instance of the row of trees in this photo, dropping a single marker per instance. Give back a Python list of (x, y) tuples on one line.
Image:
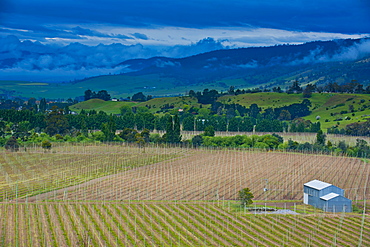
[(102, 94), (276, 142), (210, 96), (58, 121), (57, 125)]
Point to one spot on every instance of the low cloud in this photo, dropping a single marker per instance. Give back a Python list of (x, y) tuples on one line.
[(36, 61), (204, 45), (162, 64), (351, 53), (140, 36), (251, 65), (58, 74)]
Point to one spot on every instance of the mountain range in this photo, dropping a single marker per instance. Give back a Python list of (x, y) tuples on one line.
[(316, 62), (261, 65)]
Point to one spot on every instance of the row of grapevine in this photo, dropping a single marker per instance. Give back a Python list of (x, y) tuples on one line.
[(171, 224)]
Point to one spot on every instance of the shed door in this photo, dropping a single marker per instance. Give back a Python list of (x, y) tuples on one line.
[(305, 198)]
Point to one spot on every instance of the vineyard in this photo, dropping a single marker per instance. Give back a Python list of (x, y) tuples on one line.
[(119, 195)]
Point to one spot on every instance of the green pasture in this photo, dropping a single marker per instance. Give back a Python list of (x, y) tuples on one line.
[(109, 107)]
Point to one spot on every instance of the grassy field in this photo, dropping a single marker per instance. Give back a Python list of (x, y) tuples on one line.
[(39, 89), (101, 105), (117, 195), (154, 105), (117, 86)]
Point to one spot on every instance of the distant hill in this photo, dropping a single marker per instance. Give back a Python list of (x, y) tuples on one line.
[(319, 61), (331, 109), (316, 62)]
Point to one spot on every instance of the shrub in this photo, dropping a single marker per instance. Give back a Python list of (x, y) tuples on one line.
[(261, 145), (12, 144), (46, 144)]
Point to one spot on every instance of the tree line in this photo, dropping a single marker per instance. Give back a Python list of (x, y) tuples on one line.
[(18, 127), (276, 142)]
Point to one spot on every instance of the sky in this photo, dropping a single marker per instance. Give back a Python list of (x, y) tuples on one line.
[(106, 32), (173, 22)]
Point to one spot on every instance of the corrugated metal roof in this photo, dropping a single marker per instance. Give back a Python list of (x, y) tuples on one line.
[(329, 196), (316, 184)]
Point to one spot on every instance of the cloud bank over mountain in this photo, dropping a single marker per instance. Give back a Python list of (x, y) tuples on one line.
[(37, 61)]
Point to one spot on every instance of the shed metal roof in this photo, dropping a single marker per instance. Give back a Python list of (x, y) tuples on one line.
[(317, 184), (329, 196)]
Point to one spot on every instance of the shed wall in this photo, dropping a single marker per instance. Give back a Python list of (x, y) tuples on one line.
[(337, 204)]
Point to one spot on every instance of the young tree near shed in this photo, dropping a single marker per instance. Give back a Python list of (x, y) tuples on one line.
[(245, 197)]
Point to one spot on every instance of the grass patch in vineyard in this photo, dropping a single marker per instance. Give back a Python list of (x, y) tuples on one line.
[(25, 174)]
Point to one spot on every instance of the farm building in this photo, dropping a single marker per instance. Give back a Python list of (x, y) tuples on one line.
[(326, 196)]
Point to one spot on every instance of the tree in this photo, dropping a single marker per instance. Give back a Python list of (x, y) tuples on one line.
[(88, 94), (176, 129), (193, 94), (104, 95), (285, 115), (173, 133), (320, 138), (32, 103), (188, 123), (254, 110), (146, 135), (42, 105), (138, 97), (209, 131), (125, 109), (245, 197), (197, 140), (140, 140), (231, 90), (109, 129), (295, 88), (57, 123), (84, 129), (128, 134), (12, 144), (307, 92)]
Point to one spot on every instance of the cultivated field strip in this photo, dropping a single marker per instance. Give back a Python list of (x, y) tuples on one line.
[(172, 224), (24, 174), (219, 174)]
